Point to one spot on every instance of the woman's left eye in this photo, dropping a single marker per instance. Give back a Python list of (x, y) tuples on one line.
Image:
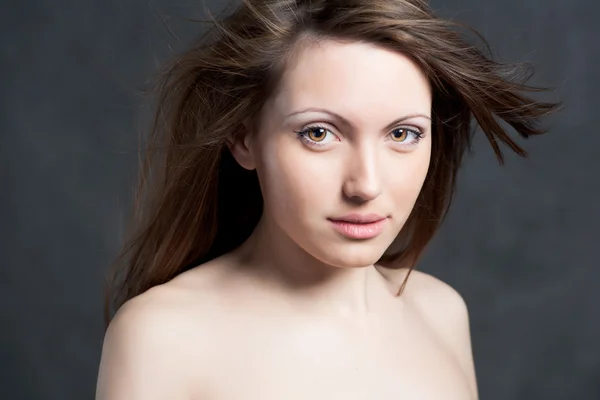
[(400, 135)]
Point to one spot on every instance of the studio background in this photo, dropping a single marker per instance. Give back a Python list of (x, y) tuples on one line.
[(520, 243)]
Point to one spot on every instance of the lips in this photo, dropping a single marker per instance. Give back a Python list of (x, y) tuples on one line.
[(359, 218), (358, 226)]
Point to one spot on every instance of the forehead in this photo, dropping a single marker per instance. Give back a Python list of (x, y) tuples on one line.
[(355, 79)]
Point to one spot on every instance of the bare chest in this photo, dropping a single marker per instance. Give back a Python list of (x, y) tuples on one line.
[(327, 361)]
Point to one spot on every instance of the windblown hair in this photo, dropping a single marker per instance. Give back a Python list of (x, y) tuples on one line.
[(195, 203)]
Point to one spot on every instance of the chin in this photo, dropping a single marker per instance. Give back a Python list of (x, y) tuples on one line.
[(352, 255)]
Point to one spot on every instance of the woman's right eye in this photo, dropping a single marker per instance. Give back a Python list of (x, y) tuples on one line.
[(316, 136)]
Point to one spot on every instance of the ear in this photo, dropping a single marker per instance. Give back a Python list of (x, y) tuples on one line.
[(240, 147)]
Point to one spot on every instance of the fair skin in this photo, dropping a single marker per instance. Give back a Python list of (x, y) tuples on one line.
[(301, 310)]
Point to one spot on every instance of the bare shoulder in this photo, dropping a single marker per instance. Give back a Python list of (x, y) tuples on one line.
[(437, 300), (445, 311), (152, 344)]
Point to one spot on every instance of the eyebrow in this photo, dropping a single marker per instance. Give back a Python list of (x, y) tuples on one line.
[(348, 123)]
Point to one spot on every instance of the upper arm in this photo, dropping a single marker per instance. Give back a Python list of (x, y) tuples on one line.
[(141, 355), (446, 312)]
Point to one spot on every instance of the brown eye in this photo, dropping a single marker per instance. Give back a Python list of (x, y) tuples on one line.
[(400, 135), (316, 134)]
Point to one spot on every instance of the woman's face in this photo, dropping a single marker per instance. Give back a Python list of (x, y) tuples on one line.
[(343, 150)]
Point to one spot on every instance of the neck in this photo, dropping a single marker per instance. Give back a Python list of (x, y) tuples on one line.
[(310, 283)]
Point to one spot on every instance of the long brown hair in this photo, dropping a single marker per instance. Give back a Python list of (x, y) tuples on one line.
[(194, 202)]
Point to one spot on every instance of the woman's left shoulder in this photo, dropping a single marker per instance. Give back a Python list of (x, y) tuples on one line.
[(444, 309), (435, 298)]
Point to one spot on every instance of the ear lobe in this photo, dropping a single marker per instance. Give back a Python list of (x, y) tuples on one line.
[(239, 146)]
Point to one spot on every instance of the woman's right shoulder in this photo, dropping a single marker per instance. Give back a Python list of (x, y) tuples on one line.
[(153, 343), (184, 300), (158, 307)]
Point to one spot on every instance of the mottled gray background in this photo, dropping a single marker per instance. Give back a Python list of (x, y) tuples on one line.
[(520, 243)]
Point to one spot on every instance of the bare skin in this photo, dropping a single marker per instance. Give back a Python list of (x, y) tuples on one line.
[(191, 339), (301, 310)]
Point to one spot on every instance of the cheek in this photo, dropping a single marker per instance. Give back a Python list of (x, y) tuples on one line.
[(294, 180), (407, 176)]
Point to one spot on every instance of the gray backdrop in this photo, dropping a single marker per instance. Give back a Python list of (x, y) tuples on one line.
[(520, 243)]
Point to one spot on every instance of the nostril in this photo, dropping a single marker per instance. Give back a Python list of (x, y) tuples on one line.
[(356, 200)]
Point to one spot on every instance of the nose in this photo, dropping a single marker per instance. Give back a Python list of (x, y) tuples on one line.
[(362, 182)]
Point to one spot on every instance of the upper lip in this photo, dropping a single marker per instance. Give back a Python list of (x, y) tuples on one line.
[(359, 218)]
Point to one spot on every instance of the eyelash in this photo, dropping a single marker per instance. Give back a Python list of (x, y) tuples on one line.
[(302, 135)]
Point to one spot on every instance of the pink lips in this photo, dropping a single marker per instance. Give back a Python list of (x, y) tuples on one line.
[(357, 226)]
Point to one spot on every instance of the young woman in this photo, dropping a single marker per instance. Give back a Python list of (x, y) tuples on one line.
[(304, 154)]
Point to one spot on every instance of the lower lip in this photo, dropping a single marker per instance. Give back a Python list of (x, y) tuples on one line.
[(359, 231)]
